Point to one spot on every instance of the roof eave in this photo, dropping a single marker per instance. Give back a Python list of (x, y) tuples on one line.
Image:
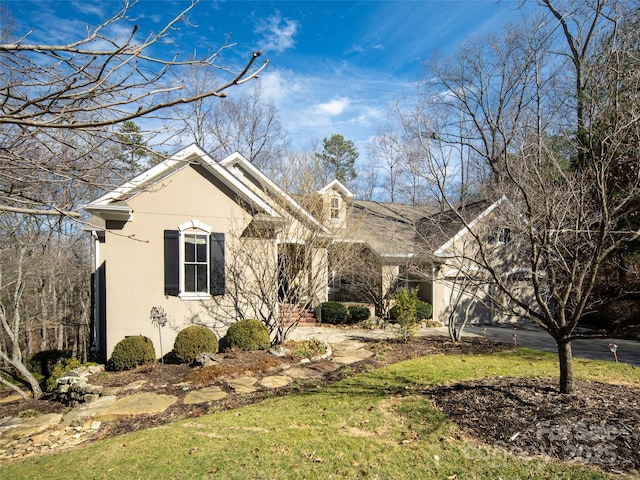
[(120, 213)]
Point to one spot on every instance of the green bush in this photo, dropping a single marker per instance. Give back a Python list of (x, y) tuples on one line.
[(131, 352), (59, 370), (333, 313), (358, 313), (248, 335), (424, 310), (406, 310), (192, 341), (44, 362)]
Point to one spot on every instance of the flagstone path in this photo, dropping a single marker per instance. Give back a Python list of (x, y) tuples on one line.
[(20, 437)]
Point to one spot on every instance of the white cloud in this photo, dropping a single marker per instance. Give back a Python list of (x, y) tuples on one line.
[(335, 106), (277, 85), (277, 33)]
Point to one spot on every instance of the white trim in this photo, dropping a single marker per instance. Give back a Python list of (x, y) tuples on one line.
[(231, 163), (194, 296), (110, 212), (194, 224), (336, 185), (192, 153), (464, 230), (186, 229)]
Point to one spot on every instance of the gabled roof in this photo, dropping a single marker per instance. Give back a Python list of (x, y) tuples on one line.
[(387, 228), (113, 204), (472, 215), (337, 186), (236, 160)]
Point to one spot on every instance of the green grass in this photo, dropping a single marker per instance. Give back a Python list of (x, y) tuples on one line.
[(372, 426)]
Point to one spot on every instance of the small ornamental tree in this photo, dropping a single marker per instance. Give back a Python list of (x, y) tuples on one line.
[(406, 307)]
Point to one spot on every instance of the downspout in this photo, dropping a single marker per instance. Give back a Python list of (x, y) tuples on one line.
[(95, 308), (434, 299)]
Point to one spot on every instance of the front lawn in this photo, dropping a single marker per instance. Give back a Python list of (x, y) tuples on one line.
[(378, 425)]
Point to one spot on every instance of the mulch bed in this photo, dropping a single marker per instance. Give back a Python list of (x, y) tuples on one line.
[(598, 424)]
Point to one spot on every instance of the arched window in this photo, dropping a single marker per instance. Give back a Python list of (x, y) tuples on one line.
[(194, 261)]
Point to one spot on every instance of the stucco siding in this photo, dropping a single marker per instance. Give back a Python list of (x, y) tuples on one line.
[(135, 252)]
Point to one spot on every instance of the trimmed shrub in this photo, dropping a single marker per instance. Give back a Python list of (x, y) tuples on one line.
[(248, 334), (192, 341), (424, 310), (358, 313), (333, 313), (131, 352)]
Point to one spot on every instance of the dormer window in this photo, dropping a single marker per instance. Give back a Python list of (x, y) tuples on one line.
[(334, 208), (502, 236)]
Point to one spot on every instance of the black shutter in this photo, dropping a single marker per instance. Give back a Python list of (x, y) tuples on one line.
[(216, 258), (171, 262)]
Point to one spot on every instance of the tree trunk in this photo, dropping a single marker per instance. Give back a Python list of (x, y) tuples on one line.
[(566, 365)]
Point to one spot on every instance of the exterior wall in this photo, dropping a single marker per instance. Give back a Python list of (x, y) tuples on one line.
[(134, 255), (438, 295), (320, 275), (478, 301)]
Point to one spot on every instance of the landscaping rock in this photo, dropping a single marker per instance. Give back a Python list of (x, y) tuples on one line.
[(300, 373), (279, 351), (209, 394), (276, 381), (144, 403), (32, 426), (243, 384), (14, 397), (206, 360), (78, 415)]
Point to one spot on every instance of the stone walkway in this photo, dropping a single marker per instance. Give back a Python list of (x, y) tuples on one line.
[(23, 436)]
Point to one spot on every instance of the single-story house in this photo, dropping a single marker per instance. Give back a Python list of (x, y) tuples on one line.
[(212, 242)]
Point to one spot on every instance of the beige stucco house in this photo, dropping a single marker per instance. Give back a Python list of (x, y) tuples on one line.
[(212, 242), (195, 237)]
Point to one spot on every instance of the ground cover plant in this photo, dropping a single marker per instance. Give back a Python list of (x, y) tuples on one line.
[(377, 424)]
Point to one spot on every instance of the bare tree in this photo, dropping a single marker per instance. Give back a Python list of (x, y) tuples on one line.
[(277, 271), (60, 110), (85, 86), (248, 123), (565, 219)]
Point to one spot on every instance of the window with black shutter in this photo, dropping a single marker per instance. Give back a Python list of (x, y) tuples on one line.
[(194, 263), (171, 262)]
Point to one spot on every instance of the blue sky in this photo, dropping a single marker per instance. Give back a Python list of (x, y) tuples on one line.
[(334, 67)]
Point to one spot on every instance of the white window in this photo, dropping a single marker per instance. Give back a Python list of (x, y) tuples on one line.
[(334, 209), (196, 263), (503, 235)]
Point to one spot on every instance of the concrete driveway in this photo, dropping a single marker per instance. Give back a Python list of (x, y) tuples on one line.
[(527, 335), (532, 336)]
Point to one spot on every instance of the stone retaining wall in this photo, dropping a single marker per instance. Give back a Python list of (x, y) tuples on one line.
[(73, 389)]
